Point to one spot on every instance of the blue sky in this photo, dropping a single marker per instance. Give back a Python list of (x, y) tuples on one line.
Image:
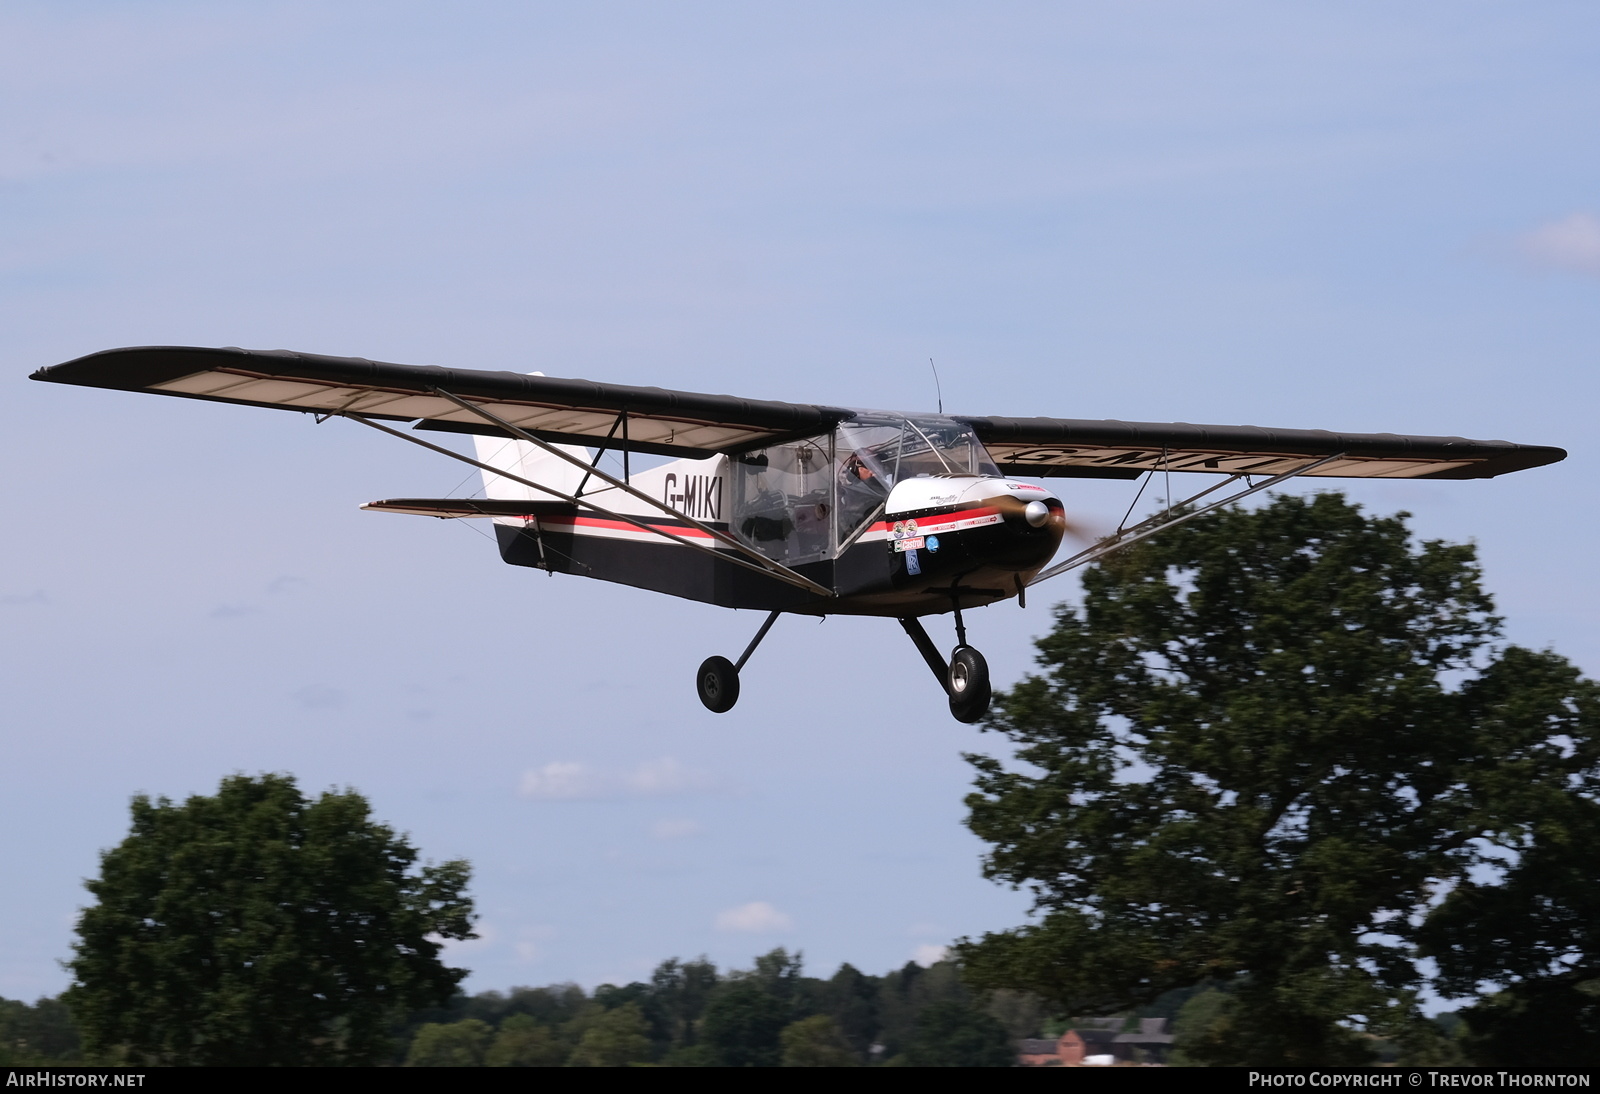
[(1357, 217)]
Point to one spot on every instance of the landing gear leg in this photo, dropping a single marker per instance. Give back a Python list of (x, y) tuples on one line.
[(717, 679), (965, 679)]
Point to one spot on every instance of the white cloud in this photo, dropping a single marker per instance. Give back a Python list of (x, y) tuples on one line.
[(757, 917), (676, 828), (1572, 243), (929, 954), (572, 781), (531, 942), (560, 782), (666, 776)]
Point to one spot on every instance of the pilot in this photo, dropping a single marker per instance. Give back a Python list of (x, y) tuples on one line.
[(860, 491)]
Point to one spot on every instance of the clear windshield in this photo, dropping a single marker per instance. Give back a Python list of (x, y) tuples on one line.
[(877, 452), (939, 446)]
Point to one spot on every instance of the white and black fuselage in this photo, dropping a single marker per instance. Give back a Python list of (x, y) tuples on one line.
[(896, 516)]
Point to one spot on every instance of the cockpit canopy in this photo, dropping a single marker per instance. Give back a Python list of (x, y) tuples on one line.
[(805, 500)]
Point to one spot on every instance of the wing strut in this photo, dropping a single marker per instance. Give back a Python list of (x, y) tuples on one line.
[(871, 519), (1147, 528), (787, 574), (776, 569)]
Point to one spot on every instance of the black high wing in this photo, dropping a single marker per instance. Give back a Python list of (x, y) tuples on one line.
[(681, 423), (670, 423), (1084, 448)]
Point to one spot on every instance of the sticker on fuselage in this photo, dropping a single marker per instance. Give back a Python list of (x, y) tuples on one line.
[(933, 544), (904, 545), (913, 567)]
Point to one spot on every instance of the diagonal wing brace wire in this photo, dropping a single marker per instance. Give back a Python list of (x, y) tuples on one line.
[(776, 569), (1146, 529)]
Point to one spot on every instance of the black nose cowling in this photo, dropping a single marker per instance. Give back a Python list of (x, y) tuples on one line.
[(1031, 536)]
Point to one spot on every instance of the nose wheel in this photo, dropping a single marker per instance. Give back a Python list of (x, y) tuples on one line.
[(967, 683), (965, 678)]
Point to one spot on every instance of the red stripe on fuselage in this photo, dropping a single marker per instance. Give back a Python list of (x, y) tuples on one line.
[(607, 524), (964, 514)]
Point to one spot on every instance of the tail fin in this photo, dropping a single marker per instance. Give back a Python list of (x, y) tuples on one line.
[(525, 461)]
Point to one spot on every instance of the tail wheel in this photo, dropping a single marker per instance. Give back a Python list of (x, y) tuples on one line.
[(968, 685), (718, 684)]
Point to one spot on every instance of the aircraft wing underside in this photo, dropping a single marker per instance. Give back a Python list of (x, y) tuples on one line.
[(1071, 448), (690, 424), (672, 423)]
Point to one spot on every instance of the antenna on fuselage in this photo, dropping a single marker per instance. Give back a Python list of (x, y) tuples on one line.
[(936, 386)]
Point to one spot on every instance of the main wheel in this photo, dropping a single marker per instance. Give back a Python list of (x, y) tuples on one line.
[(968, 685), (718, 684)]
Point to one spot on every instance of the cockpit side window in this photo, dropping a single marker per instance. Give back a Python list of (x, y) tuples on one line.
[(783, 500), (869, 461)]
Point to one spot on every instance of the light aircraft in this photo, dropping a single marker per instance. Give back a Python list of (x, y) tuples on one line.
[(781, 507)]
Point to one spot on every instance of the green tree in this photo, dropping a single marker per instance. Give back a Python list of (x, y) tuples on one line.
[(616, 1038), (778, 973), (1256, 754), (259, 928), (459, 1044), (679, 992), (955, 1034), (1197, 1023), (907, 992), (692, 1056), (523, 1042), (41, 1034), (1530, 939), (743, 1024), (850, 998), (816, 1042)]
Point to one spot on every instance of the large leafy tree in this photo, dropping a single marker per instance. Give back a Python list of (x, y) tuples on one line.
[(1258, 755), (744, 1024), (257, 927)]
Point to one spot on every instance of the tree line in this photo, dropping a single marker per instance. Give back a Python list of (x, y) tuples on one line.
[(690, 1014), (687, 1014)]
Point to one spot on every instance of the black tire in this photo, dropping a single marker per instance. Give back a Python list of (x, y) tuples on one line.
[(968, 685), (718, 684)]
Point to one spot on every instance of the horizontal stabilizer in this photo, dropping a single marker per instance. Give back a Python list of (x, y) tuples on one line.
[(468, 507)]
